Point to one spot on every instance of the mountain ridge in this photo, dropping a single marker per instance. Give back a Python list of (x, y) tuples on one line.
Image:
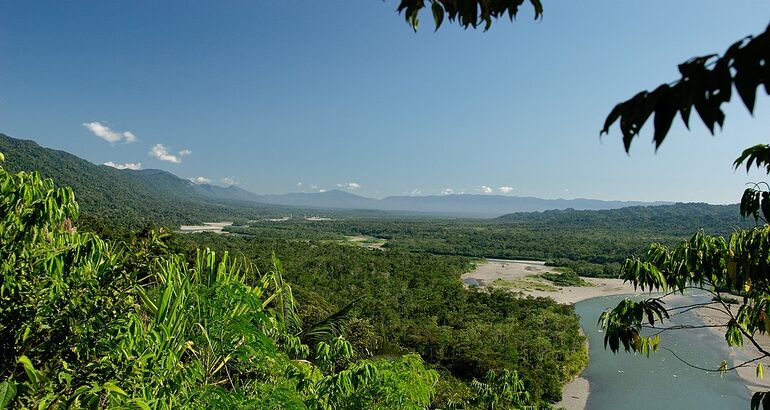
[(164, 196)]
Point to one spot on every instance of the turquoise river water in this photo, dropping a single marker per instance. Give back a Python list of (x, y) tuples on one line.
[(628, 381)]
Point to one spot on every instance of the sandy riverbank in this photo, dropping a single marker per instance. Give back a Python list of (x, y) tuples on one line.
[(522, 276), (215, 227), (575, 393), (512, 271), (739, 354)]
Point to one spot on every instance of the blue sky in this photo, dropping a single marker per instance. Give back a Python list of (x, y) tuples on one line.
[(343, 93)]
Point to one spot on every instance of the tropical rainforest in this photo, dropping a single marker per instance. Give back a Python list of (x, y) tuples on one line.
[(592, 243), (132, 323), (103, 305)]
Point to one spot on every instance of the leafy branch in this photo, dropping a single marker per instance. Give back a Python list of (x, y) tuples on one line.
[(705, 85), (468, 13)]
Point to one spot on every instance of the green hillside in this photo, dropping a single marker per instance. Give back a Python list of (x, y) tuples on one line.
[(679, 219), (130, 198)]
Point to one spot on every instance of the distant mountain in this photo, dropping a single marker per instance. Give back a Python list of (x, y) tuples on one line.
[(156, 196), (454, 205), (128, 197), (329, 199), (232, 193), (495, 205), (680, 219)]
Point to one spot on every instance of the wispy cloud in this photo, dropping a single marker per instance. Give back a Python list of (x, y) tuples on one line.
[(447, 191), (350, 186), (160, 152), (299, 184), (200, 180), (415, 192), (229, 181), (128, 165), (485, 189), (104, 132), (505, 189), (314, 187)]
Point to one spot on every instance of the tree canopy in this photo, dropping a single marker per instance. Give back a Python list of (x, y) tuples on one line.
[(93, 323)]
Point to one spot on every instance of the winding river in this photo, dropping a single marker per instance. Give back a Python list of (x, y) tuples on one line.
[(628, 381)]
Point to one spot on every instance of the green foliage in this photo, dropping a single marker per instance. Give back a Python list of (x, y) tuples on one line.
[(89, 323), (565, 277), (503, 389), (113, 198), (592, 243), (738, 263), (415, 302)]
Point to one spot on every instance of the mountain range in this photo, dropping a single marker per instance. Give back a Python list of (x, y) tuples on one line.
[(454, 205), (156, 196)]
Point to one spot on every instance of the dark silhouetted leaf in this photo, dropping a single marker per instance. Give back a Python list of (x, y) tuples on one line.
[(706, 84), (665, 111), (438, 14)]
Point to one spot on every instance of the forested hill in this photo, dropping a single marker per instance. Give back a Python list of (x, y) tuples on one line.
[(679, 219), (126, 197), (137, 198)]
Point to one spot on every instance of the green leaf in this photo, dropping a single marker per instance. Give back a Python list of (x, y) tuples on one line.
[(32, 374), (7, 392), (141, 404), (113, 388)]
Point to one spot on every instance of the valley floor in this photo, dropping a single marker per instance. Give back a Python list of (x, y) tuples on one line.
[(523, 276)]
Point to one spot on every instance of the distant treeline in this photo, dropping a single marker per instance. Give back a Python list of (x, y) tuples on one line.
[(592, 243)]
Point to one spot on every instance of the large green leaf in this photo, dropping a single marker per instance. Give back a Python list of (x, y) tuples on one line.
[(7, 393)]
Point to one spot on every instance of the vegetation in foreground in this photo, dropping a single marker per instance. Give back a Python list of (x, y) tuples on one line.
[(88, 322), (415, 302)]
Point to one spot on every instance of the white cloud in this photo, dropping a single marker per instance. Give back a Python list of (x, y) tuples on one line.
[(505, 189), (485, 189), (104, 132), (447, 191), (128, 165), (229, 181), (200, 180), (160, 152), (321, 190), (350, 186), (415, 191), (299, 183), (313, 186)]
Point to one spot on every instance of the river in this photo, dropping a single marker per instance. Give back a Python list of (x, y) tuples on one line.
[(628, 381)]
